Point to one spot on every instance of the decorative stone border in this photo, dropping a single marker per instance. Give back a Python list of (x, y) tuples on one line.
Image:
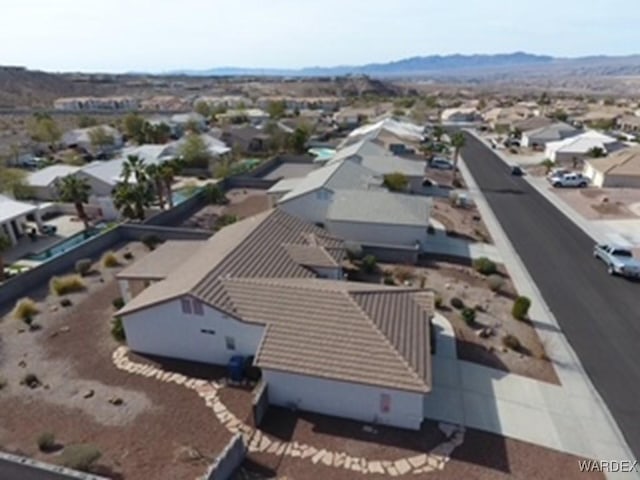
[(257, 441)]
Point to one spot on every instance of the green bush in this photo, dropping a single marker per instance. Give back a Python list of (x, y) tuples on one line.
[(109, 260), (83, 266), (511, 342), (150, 241), (468, 315), (521, 308), (485, 266), (369, 264), (396, 182), (495, 282), (67, 284), (389, 281), (80, 457), (225, 220), (117, 330), (117, 303), (46, 441), (457, 303), (25, 310)]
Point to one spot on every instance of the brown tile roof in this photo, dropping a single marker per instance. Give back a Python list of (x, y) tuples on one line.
[(254, 247), (162, 261), (348, 331), (623, 162)]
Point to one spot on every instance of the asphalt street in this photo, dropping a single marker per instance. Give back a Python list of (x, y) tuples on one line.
[(599, 314)]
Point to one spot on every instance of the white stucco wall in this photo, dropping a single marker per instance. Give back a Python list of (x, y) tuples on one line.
[(372, 233), (308, 207), (164, 330), (343, 399)]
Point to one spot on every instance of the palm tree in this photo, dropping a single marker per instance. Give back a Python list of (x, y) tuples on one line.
[(134, 167), (168, 172), (438, 132), (5, 244), (457, 142), (155, 176), (132, 199), (75, 190)]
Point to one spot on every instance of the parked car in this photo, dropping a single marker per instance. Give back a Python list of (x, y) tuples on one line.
[(512, 142), (441, 163), (619, 260), (517, 171), (570, 180)]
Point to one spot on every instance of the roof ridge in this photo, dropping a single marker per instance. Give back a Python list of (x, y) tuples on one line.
[(386, 340)]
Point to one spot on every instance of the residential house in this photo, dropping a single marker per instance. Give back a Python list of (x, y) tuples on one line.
[(246, 138), (80, 139), (503, 118), (460, 115), (532, 123), (88, 104), (13, 215), (348, 118), (396, 136), (629, 123), (165, 103), (183, 120), (226, 101), (254, 116), (539, 137), (618, 170), (215, 147), (43, 183), (353, 350), (580, 147)]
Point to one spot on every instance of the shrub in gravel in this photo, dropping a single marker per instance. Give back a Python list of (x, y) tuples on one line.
[(46, 442), (457, 303), (109, 260), (485, 266), (403, 274), (388, 280), (151, 241), (66, 284), (83, 266), (3, 383), (438, 302), (511, 342), (25, 310), (353, 250), (495, 282), (521, 308), (468, 315), (127, 256), (31, 380), (66, 302), (117, 330), (369, 264), (81, 456), (117, 303)]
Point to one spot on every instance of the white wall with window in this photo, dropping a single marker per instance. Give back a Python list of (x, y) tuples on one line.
[(189, 329), (311, 206), (356, 401)]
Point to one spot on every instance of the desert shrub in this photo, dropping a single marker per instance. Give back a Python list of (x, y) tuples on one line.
[(31, 380), (457, 303), (403, 273), (485, 266), (66, 302), (438, 302), (83, 266), (353, 250), (457, 183), (46, 441), (150, 241), (468, 315), (109, 260), (117, 303), (127, 256), (3, 383), (388, 280), (396, 182), (511, 342), (495, 283), (369, 263), (431, 230), (25, 310), (225, 220), (66, 284), (117, 330), (80, 456), (520, 308)]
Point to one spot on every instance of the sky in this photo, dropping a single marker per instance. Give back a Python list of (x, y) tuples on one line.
[(164, 35)]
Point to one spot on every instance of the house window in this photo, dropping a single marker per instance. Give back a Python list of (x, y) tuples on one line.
[(207, 331), (385, 403), (198, 308), (231, 343), (186, 306)]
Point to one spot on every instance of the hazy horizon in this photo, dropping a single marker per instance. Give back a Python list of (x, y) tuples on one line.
[(160, 36)]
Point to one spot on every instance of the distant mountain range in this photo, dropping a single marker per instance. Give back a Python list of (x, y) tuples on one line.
[(448, 65)]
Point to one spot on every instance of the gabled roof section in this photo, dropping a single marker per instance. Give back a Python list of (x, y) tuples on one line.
[(379, 207), (347, 331), (624, 162), (165, 259)]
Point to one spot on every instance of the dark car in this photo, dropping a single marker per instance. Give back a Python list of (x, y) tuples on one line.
[(517, 171)]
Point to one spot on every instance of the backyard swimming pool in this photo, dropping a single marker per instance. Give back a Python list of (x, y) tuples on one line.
[(67, 244), (322, 154)]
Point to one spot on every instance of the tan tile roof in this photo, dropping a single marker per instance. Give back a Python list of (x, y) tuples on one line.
[(254, 247), (623, 162), (162, 261), (310, 255), (354, 332)]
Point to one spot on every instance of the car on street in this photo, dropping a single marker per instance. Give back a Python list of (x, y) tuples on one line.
[(517, 171), (619, 260), (569, 180), (440, 163)]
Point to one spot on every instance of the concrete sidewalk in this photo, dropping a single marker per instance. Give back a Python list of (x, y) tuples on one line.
[(599, 431)]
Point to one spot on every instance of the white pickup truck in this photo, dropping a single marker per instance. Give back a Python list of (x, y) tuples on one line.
[(619, 260), (569, 180)]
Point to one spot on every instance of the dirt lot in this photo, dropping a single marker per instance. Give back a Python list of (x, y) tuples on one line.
[(71, 355), (243, 203), (602, 203), (493, 311), (460, 222)]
